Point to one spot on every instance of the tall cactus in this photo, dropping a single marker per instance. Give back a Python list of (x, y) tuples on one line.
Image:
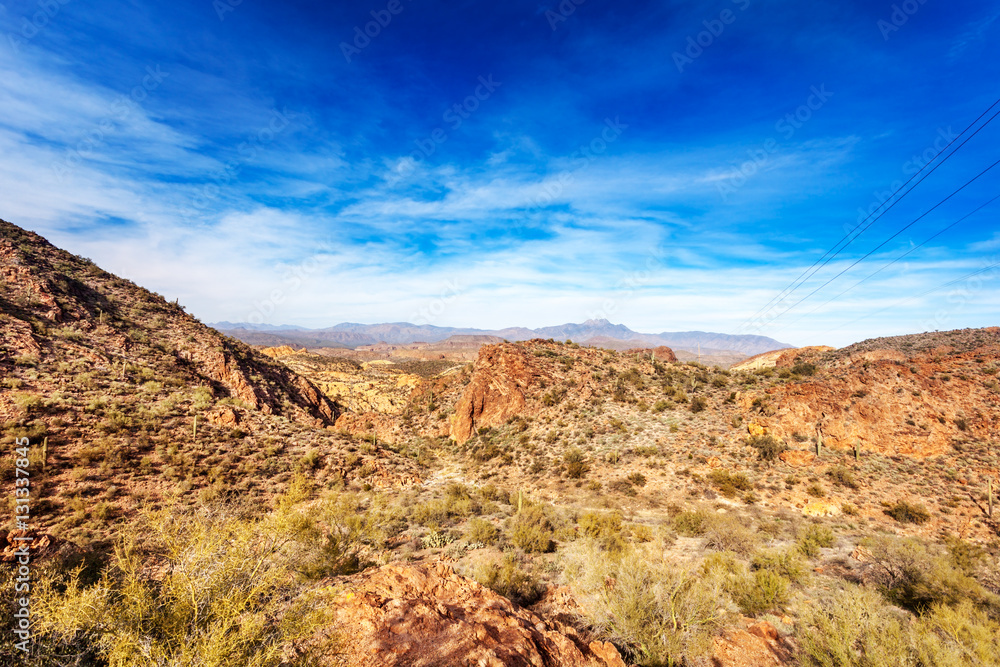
[(857, 448)]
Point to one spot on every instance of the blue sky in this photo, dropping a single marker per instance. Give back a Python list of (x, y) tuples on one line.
[(665, 165)]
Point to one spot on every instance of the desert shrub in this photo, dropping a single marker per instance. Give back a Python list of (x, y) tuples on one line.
[(842, 476), (659, 612), (220, 598), (636, 479), (507, 577), (729, 533), (905, 512), (918, 576), (853, 628), (813, 538), (29, 403), (691, 523), (816, 490), (531, 530), (481, 531), (661, 405), (856, 628), (698, 403), (768, 447), (576, 463), (605, 528), (786, 562), (803, 368), (758, 591), (960, 636), (729, 483)]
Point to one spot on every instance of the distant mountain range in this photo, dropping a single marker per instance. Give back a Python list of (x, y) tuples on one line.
[(598, 333)]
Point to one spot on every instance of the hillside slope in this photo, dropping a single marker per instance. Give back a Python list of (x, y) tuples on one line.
[(127, 399)]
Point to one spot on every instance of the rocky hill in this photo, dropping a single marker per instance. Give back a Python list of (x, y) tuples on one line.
[(128, 399)]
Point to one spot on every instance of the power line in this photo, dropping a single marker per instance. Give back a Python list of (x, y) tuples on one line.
[(930, 291), (900, 231), (888, 264), (795, 284)]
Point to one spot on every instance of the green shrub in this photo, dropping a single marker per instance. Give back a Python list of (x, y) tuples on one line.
[(813, 538), (659, 612), (918, 576), (729, 483), (905, 512), (768, 447), (531, 530), (481, 531), (853, 628), (698, 403), (509, 578), (729, 533), (605, 528), (759, 591), (786, 562), (576, 463), (691, 523), (842, 476), (220, 597)]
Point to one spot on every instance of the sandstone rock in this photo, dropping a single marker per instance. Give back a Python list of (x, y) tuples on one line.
[(759, 645), (797, 457), (428, 616), (223, 416), (500, 377)]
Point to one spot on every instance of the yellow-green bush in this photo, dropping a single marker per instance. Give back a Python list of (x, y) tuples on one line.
[(219, 596), (660, 612)]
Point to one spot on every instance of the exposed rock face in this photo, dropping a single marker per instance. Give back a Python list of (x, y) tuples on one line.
[(759, 645), (661, 353), (797, 457), (428, 616), (888, 401), (51, 300), (501, 376), (780, 358)]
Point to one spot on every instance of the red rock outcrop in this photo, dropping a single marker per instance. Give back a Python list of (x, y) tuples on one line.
[(758, 645), (428, 616), (500, 378), (888, 401), (661, 353)]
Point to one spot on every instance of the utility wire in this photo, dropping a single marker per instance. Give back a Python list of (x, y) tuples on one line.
[(901, 230), (933, 289), (888, 264), (837, 248)]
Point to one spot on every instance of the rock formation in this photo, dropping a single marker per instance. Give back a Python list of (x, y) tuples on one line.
[(428, 616)]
